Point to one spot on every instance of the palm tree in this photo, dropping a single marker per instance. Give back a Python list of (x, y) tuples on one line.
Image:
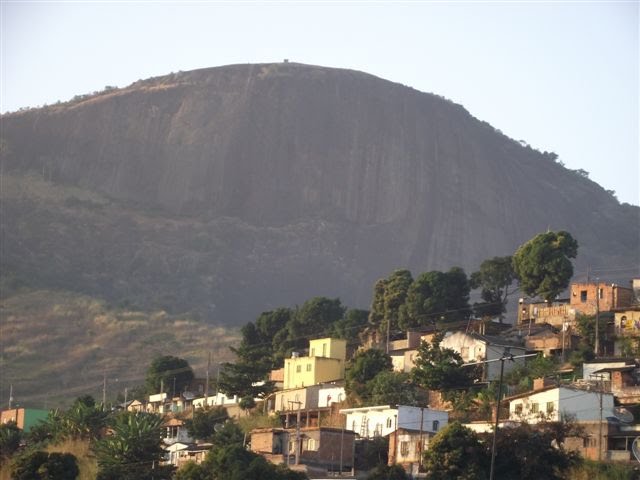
[(133, 449)]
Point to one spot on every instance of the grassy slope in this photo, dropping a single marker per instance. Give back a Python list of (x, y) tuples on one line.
[(58, 345)]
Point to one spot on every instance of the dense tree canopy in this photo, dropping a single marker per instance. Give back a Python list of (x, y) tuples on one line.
[(169, 373), (204, 422), (495, 279), (438, 368), (39, 465), (457, 453), (436, 296), (364, 366), (389, 296), (350, 325), (543, 264)]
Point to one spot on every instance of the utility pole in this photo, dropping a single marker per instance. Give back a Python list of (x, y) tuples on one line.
[(104, 390), (10, 395), (600, 377), (597, 342), (125, 397), (298, 434), (420, 449), (298, 420), (341, 446), (506, 355), (206, 387)]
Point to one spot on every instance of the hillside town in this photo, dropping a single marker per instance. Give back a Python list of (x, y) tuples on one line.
[(312, 422)]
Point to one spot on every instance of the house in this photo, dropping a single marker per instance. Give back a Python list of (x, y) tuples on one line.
[(555, 403), (604, 436), (621, 380), (381, 420), (555, 313), (175, 431), (219, 399), (310, 402), (156, 403), (406, 447), (551, 341), (589, 298), (178, 453), (626, 323), (320, 449), (24, 418), (473, 347), (136, 406), (325, 363)]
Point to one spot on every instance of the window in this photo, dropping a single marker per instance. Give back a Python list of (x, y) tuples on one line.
[(600, 293), (550, 407), (435, 425), (518, 409), (312, 444), (404, 448), (583, 296), (535, 407), (313, 352), (298, 368), (324, 349), (389, 422), (308, 367)]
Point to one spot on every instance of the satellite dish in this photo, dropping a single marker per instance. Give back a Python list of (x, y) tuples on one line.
[(622, 414), (635, 448)]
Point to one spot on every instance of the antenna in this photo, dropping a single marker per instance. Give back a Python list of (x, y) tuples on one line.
[(622, 414)]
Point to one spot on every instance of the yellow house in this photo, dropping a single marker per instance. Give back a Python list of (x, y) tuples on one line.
[(325, 363)]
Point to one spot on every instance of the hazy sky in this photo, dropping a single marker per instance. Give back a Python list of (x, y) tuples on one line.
[(563, 76)]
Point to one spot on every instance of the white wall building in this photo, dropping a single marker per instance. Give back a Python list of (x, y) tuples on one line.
[(311, 397), (382, 420), (478, 348), (557, 403)]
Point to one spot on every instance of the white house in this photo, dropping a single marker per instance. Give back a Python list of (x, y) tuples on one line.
[(557, 403), (219, 399), (381, 420), (311, 397), (176, 432), (479, 348)]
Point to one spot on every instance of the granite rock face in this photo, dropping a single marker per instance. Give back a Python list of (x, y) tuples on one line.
[(233, 190)]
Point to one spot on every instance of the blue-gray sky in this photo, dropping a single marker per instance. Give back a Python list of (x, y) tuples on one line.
[(562, 76)]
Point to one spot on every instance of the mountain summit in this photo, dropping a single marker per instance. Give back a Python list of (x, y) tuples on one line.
[(232, 190)]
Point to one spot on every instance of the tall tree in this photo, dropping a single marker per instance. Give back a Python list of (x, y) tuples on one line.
[(376, 314), (436, 296), (364, 366), (395, 295), (350, 325), (495, 279), (543, 264), (168, 371), (313, 319), (438, 368)]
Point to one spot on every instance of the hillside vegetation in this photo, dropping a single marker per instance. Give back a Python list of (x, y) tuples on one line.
[(59, 345)]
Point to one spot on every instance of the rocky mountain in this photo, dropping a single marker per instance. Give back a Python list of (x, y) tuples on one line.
[(228, 191)]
